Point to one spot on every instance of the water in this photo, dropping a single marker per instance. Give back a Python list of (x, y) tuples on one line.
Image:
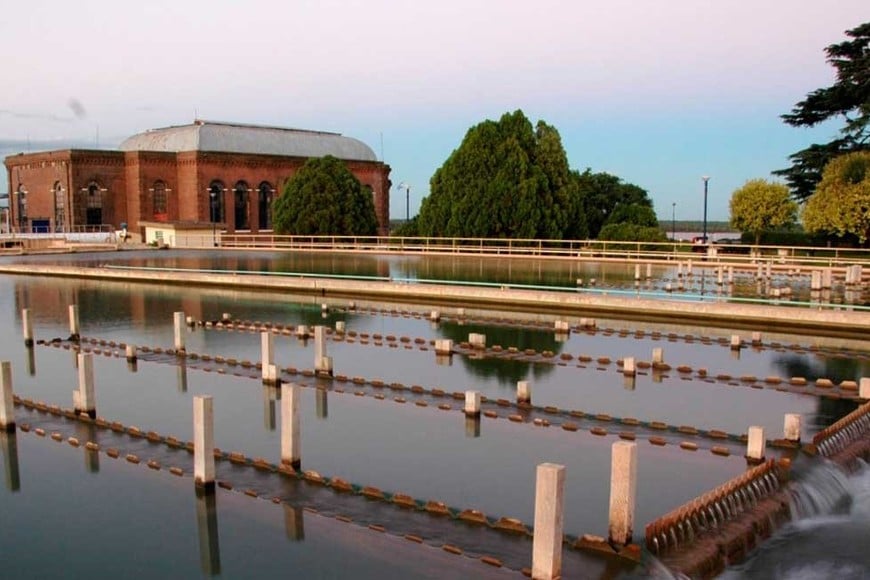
[(828, 539), (422, 451)]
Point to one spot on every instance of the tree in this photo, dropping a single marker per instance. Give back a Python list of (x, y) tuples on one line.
[(324, 198), (602, 194), (848, 97), (505, 180), (841, 203), (760, 206)]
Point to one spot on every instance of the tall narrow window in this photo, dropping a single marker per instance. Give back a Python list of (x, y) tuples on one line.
[(241, 196), (94, 205), (59, 207), (265, 205), (159, 204), (22, 208), (216, 201)]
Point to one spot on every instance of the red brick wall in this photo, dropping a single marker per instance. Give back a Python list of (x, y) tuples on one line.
[(127, 179)]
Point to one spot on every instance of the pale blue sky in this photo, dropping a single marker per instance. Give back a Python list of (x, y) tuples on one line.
[(658, 93)]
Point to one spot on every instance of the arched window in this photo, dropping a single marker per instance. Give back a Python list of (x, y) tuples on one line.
[(266, 191), (241, 196), (94, 204), (216, 201), (159, 202), (59, 207)]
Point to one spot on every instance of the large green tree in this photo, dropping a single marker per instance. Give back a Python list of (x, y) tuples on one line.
[(602, 194), (325, 198), (761, 206), (841, 203), (507, 179), (848, 98)]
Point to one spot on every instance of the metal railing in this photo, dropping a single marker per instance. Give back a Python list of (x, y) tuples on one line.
[(532, 248)]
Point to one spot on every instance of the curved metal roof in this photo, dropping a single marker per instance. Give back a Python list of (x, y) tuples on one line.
[(252, 139)]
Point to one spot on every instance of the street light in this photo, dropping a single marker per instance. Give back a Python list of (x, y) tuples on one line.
[(674, 221), (706, 178), (407, 189), (213, 196)]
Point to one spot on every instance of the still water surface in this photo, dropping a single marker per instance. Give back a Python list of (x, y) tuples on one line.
[(424, 452)]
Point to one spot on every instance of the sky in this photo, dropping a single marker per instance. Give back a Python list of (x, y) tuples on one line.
[(658, 93)]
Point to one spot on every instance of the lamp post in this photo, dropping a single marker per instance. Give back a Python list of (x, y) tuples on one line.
[(706, 178), (674, 221), (407, 189), (213, 196)]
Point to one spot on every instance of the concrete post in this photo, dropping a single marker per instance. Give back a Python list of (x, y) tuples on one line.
[(636, 272), (623, 489), (628, 368), (443, 346), (755, 445), (7, 405), (720, 275), (27, 325), (322, 362), (472, 403), (83, 399), (648, 271), (792, 428), (267, 355), (434, 316), (736, 343), (756, 339), (561, 327), (74, 332), (679, 269), (549, 515), (130, 352), (203, 441), (301, 331), (827, 279), (864, 388), (290, 426), (340, 326), (689, 268), (524, 392), (658, 355), (815, 280), (730, 274), (477, 340), (178, 319)]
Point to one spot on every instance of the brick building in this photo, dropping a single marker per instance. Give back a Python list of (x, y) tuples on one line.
[(205, 172)]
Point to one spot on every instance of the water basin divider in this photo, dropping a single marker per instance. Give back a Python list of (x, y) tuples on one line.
[(154, 465), (629, 428), (721, 526), (505, 525), (820, 387), (837, 437)]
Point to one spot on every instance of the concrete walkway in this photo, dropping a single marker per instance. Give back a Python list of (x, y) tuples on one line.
[(832, 322)]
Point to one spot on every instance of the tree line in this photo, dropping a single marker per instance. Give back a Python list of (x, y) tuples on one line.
[(511, 179)]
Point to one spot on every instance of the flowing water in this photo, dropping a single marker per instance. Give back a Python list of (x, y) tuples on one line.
[(829, 536)]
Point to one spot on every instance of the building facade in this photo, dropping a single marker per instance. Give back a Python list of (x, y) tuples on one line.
[(205, 172)]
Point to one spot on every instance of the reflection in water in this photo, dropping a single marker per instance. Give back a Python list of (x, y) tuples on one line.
[(88, 432), (294, 524), (181, 371), (322, 401), (505, 371), (9, 448), (472, 427), (207, 527), (629, 382), (31, 361), (270, 395)]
